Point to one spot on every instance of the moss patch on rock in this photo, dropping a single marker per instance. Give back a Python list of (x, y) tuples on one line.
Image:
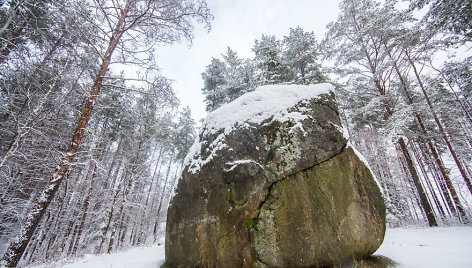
[(282, 193), (322, 216)]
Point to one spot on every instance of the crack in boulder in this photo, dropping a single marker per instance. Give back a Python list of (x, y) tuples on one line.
[(273, 193)]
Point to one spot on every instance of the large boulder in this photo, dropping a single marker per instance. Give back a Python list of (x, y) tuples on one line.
[(272, 182)]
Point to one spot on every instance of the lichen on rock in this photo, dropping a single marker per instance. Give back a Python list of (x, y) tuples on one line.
[(274, 185)]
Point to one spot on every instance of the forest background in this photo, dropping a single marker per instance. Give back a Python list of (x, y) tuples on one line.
[(92, 136)]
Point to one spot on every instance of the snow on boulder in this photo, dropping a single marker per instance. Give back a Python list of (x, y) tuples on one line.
[(272, 102), (271, 182), (261, 104)]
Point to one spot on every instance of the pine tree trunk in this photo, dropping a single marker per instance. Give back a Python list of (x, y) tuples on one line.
[(143, 217), (419, 160), (103, 153), (113, 233), (419, 188), (113, 196), (388, 113), (54, 230), (440, 183), (411, 168), (16, 249), (98, 249), (410, 193), (84, 212), (441, 129), (434, 152), (126, 187), (162, 198)]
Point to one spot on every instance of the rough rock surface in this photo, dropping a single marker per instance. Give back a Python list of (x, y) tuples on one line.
[(281, 191)]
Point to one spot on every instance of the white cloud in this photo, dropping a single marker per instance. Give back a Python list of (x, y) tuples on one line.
[(237, 24)]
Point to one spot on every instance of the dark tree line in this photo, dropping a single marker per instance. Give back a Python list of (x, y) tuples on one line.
[(89, 149)]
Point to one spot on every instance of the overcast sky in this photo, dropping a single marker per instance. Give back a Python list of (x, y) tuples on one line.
[(237, 24)]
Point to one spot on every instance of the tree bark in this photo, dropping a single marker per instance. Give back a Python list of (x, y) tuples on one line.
[(387, 113), (420, 162), (419, 188), (438, 123), (16, 249), (434, 152)]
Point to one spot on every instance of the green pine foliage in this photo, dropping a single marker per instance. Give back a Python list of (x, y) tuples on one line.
[(291, 60)]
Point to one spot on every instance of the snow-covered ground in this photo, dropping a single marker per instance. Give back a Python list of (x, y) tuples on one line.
[(429, 247), (138, 257), (412, 248)]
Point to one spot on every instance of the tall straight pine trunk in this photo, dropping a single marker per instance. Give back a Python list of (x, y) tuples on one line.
[(434, 152), (388, 113), (410, 164), (439, 124), (421, 165), (17, 247)]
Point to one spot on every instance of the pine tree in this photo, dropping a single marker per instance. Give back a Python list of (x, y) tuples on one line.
[(214, 82), (185, 133), (268, 51), (453, 17), (357, 37), (293, 60), (301, 53), (234, 86), (227, 79), (174, 21)]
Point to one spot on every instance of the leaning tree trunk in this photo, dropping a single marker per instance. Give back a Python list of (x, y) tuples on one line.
[(412, 170), (434, 152), (411, 167), (439, 124), (419, 160), (388, 113), (17, 248), (419, 188)]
